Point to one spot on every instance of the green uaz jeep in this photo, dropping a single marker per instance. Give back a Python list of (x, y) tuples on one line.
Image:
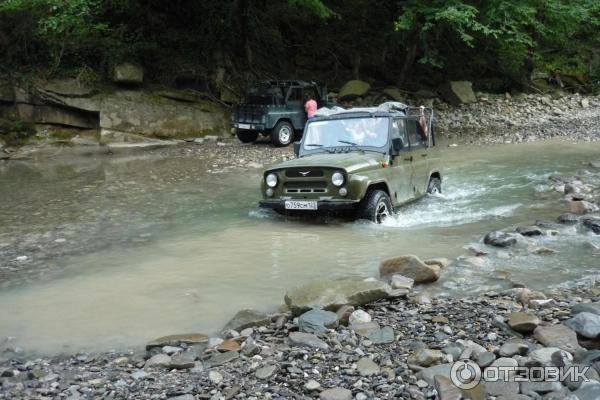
[(364, 160), (276, 109)]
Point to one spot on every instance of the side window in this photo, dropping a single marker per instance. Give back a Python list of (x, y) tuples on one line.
[(295, 95), (415, 133), (399, 130)]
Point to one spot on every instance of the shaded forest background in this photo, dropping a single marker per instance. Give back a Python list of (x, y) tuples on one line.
[(498, 44)]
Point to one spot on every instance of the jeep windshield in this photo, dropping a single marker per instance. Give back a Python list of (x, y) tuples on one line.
[(348, 132)]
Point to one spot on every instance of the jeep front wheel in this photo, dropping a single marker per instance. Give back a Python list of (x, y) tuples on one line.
[(246, 136), (376, 207), (282, 134)]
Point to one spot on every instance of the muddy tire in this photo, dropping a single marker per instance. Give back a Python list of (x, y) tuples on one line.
[(246, 136), (376, 207), (282, 134), (434, 186)]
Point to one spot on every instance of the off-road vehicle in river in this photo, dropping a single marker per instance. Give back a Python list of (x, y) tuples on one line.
[(276, 109), (363, 160)]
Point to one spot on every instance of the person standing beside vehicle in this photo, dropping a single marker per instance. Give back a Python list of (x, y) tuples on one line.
[(310, 106)]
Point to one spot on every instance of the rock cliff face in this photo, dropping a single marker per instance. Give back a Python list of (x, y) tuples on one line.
[(117, 114)]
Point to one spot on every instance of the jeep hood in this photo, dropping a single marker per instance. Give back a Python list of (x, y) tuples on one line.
[(352, 161)]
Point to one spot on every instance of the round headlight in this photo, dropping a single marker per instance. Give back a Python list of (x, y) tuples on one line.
[(337, 179), (271, 180)]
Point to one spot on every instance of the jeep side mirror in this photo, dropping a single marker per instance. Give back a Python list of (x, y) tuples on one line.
[(397, 145), (296, 149)]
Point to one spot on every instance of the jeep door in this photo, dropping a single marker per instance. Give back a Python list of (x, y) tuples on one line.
[(400, 170), (419, 157), (295, 107)]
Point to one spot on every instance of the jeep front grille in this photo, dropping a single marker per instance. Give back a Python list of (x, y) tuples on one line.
[(306, 187), (304, 173)]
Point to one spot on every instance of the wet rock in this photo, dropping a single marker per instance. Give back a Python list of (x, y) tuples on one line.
[(332, 294), (582, 207), (411, 267), (336, 394), (247, 318), (302, 339), (568, 218), (559, 336), (592, 224), (128, 74), (366, 367), (266, 372), (353, 89), (439, 261), (177, 340), (529, 231), (182, 361), (585, 324), (359, 317), (593, 308), (250, 348), (499, 239), (401, 282), (426, 357), (317, 321), (523, 322), (525, 295)]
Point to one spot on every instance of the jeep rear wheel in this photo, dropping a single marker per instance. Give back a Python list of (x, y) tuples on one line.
[(435, 185), (376, 207), (246, 136), (283, 134)]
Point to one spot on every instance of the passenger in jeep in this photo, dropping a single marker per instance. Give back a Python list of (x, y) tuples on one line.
[(310, 106)]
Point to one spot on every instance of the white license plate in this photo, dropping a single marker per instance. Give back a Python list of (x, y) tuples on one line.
[(300, 205), (244, 126)]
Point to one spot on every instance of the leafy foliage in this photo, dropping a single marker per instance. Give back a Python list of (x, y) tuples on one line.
[(405, 42)]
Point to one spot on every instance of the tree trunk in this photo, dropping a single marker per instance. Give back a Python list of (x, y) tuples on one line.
[(409, 60)]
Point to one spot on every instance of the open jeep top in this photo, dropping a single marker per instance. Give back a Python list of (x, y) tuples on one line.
[(338, 129)]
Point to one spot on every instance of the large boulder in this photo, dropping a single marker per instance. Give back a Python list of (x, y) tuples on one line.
[(499, 239), (246, 319), (411, 267), (394, 93), (592, 224), (353, 89), (332, 294), (458, 92), (128, 74), (558, 336), (317, 321)]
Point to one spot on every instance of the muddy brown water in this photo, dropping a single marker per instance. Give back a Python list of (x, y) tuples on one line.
[(172, 245)]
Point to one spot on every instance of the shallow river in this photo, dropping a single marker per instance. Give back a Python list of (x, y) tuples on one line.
[(167, 247)]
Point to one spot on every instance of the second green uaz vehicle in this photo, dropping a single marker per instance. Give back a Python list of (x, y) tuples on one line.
[(366, 161)]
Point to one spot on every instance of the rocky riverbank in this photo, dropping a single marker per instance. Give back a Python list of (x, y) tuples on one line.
[(400, 347), (489, 119)]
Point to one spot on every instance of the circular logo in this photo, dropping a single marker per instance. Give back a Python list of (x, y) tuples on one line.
[(465, 374)]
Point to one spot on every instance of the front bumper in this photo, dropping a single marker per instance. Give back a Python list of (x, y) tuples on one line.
[(251, 127), (322, 205)]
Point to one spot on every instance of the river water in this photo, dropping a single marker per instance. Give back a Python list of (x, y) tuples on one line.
[(157, 246)]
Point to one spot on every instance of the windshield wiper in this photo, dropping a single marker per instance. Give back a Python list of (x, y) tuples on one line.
[(346, 142), (314, 144)]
